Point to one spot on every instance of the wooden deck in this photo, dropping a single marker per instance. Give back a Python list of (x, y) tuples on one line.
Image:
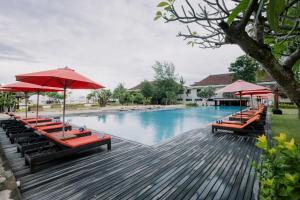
[(195, 165)]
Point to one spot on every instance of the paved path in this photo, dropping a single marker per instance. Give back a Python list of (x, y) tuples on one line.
[(195, 165)]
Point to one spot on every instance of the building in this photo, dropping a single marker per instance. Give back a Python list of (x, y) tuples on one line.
[(217, 82)]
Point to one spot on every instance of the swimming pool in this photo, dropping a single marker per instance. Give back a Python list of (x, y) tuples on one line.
[(152, 127)]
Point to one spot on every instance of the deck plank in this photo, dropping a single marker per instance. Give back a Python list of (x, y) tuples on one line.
[(195, 165)]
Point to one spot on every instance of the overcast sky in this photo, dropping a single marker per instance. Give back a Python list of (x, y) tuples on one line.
[(108, 41)]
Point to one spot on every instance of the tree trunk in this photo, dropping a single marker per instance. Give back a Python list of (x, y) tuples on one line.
[(235, 34)]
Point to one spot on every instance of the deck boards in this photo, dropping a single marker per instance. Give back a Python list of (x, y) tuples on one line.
[(195, 165)]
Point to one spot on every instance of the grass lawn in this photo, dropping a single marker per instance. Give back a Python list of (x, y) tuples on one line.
[(287, 123)]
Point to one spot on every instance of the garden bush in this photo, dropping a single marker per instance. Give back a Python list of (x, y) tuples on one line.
[(279, 171)]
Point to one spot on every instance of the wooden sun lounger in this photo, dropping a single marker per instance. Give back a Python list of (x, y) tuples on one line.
[(45, 124), (30, 147), (66, 148), (235, 127), (34, 120), (53, 128)]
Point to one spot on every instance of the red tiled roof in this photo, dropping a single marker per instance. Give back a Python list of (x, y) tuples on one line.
[(217, 79), (224, 79)]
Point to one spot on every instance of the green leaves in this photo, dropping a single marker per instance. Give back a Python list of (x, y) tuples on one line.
[(279, 170), (158, 15), (163, 4), (274, 9), (236, 11)]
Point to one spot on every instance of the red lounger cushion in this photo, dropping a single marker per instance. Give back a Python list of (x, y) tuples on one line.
[(76, 142), (74, 132), (33, 120), (46, 128), (45, 124), (81, 141)]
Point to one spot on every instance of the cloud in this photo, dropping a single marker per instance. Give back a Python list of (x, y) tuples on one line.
[(108, 41)]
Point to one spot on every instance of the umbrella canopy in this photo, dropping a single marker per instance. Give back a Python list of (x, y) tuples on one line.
[(6, 90), (63, 78), (28, 87), (240, 85), (254, 92)]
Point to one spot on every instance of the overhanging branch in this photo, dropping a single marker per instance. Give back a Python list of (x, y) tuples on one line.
[(292, 59)]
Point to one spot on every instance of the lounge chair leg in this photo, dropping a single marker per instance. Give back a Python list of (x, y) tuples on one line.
[(109, 146)]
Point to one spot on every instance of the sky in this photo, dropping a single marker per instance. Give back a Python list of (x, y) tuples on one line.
[(108, 41)]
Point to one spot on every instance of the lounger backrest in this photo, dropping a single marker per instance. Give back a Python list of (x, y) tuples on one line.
[(251, 120), (54, 139)]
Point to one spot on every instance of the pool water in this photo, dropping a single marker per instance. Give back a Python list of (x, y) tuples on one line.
[(152, 127)]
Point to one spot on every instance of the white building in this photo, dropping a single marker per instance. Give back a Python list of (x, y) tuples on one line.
[(217, 82)]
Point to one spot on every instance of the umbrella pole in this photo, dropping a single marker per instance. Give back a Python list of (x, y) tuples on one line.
[(25, 104), (251, 101), (64, 109), (37, 107), (241, 105)]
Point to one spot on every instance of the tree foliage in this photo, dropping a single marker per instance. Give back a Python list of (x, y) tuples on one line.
[(263, 29), (7, 101), (279, 171), (206, 93), (55, 96), (102, 96), (119, 91), (244, 68), (165, 86), (147, 88)]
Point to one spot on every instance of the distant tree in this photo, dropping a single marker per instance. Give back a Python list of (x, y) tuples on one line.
[(125, 98), (147, 88), (206, 93), (138, 98), (171, 97), (146, 100), (7, 101), (54, 96), (244, 68), (101, 96), (166, 86), (119, 92), (132, 97), (91, 96), (181, 82)]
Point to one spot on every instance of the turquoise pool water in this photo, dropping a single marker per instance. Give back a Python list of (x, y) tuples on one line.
[(152, 127)]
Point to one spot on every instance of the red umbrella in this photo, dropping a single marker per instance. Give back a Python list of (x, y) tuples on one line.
[(240, 86), (63, 78), (6, 90), (28, 87), (254, 92)]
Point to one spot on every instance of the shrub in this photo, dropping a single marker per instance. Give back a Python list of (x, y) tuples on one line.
[(280, 168), (192, 104)]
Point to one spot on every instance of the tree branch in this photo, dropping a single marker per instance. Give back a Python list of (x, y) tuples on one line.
[(292, 59)]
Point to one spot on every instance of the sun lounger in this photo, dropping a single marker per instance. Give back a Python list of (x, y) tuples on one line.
[(31, 146), (236, 127), (65, 148), (53, 128), (34, 120)]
